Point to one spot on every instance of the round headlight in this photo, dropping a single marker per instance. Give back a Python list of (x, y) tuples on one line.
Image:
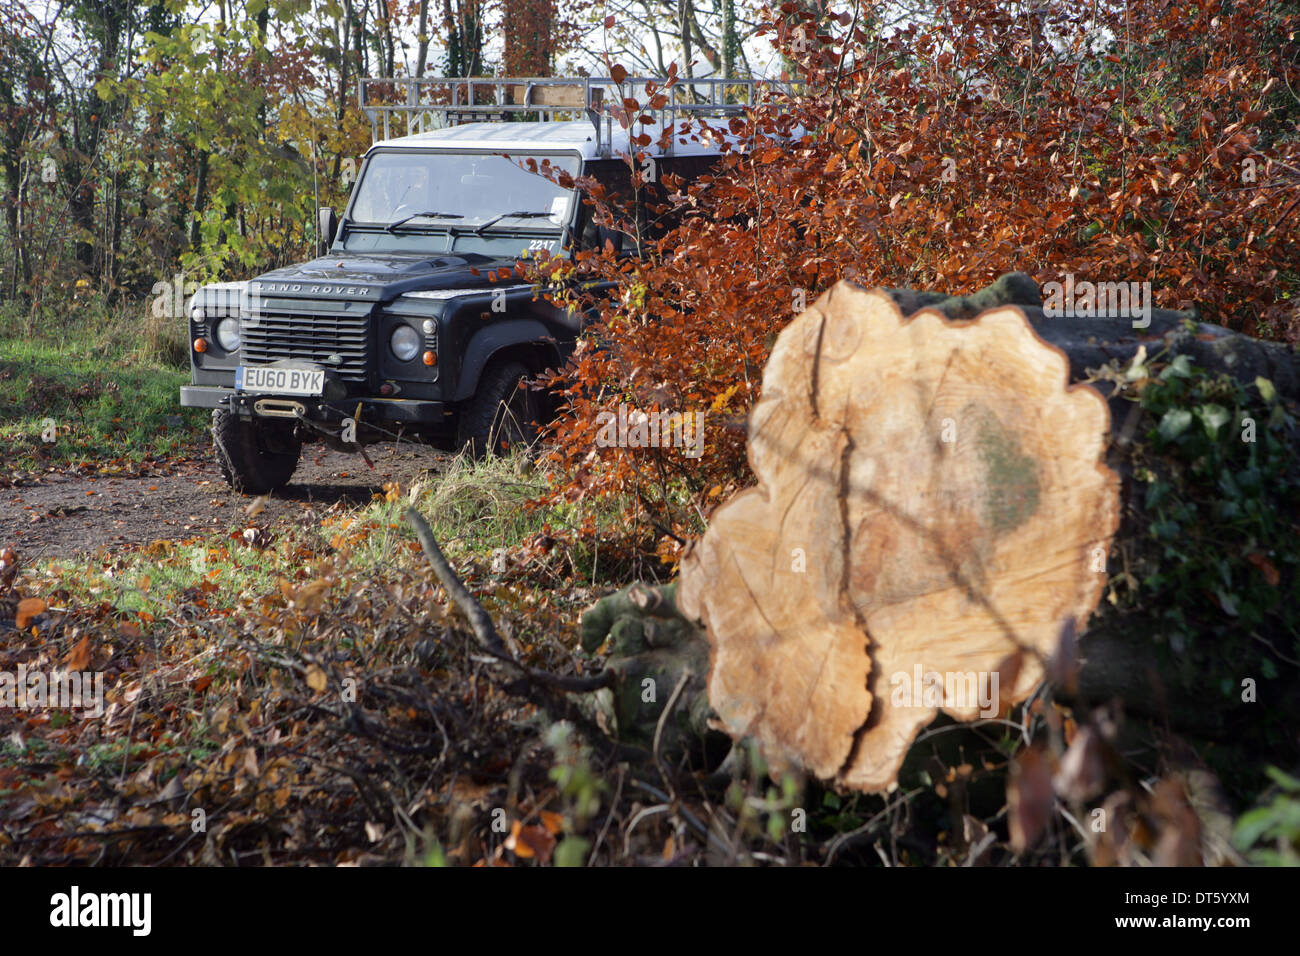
[(227, 334), (405, 342)]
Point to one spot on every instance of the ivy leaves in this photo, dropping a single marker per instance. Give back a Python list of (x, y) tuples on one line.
[(1221, 480)]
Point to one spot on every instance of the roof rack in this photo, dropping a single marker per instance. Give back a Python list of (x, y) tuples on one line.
[(426, 103)]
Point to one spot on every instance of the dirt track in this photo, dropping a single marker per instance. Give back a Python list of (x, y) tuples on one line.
[(63, 515)]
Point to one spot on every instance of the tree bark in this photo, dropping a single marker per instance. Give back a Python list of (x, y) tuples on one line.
[(730, 43), (684, 29), (422, 39)]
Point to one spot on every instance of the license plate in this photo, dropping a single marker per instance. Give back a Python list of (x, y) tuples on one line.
[(280, 381)]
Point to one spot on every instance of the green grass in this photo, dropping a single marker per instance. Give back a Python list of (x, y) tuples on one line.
[(102, 381), (477, 508)]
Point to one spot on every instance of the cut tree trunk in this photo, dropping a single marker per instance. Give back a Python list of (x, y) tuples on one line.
[(934, 497), (931, 500)]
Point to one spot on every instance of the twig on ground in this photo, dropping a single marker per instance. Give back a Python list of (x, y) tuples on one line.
[(485, 631), (659, 730)]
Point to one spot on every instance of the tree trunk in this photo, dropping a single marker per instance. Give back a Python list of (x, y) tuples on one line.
[(15, 173), (200, 198), (910, 519), (684, 29), (936, 505), (730, 44), (422, 39)]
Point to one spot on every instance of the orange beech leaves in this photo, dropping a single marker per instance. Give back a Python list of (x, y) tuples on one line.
[(1140, 142)]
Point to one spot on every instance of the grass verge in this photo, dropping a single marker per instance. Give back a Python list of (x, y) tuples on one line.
[(93, 383)]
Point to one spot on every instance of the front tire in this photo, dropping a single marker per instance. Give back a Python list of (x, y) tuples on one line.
[(255, 457), (503, 413)]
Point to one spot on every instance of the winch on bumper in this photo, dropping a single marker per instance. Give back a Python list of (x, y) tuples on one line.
[(323, 410)]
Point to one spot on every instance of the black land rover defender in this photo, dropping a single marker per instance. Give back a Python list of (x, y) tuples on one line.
[(399, 330)]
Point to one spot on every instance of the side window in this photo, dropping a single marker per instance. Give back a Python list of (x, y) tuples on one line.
[(687, 169), (649, 204), (615, 176)]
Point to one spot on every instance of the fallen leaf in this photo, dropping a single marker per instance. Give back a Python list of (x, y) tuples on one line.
[(316, 678), (258, 538), (1082, 774), (529, 842), (28, 608), (975, 836), (79, 656), (1030, 799), (1179, 843), (1266, 567), (311, 596)]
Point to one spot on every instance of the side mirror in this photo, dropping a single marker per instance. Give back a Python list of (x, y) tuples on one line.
[(327, 226)]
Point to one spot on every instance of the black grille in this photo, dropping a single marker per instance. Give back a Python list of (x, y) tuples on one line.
[(272, 336)]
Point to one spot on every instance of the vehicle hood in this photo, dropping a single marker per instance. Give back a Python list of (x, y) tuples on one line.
[(371, 278)]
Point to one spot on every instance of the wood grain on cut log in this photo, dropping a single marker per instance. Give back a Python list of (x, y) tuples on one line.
[(931, 495)]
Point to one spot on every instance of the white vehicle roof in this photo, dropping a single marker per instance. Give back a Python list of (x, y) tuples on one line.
[(572, 136)]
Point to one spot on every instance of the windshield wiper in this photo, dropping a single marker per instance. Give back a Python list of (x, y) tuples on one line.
[(524, 214), (432, 214)]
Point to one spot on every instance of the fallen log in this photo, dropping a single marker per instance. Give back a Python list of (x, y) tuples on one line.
[(940, 498), (931, 500)]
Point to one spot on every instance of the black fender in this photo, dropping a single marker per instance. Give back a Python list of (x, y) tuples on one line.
[(495, 338)]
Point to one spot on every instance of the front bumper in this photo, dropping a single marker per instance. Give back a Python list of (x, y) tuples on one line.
[(402, 410), (204, 396)]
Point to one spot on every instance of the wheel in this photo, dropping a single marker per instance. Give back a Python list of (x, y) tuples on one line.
[(503, 412), (256, 457)]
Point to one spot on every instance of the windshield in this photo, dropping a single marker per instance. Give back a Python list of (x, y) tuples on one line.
[(470, 202)]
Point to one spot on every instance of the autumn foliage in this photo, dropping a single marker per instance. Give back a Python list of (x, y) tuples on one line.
[(1141, 142)]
